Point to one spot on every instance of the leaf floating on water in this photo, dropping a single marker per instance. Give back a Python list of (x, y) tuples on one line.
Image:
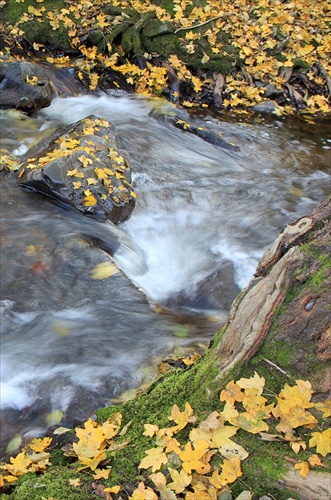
[(104, 270), (14, 443), (54, 417), (61, 430)]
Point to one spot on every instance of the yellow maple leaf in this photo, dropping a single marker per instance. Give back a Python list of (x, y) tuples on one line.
[(100, 173), (198, 434), (158, 479), (303, 51), (184, 124), (322, 441), (296, 444), (324, 407), (38, 445), (75, 482), (222, 435), (303, 468), (180, 480), (298, 395), (91, 181), (255, 382), (193, 458), (143, 493), (113, 489), (102, 22), (155, 458), (72, 173), (32, 81), (151, 430), (101, 473), (112, 425), (19, 465), (231, 470), (94, 78), (90, 440), (77, 184), (232, 393), (230, 414), (90, 200), (251, 423), (93, 462), (85, 161), (315, 461), (212, 422), (104, 270), (182, 418)]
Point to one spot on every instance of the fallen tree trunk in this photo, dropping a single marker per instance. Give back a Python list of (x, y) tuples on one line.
[(278, 326)]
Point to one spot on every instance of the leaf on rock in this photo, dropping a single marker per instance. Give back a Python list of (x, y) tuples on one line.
[(89, 200), (104, 270), (303, 468), (315, 461)]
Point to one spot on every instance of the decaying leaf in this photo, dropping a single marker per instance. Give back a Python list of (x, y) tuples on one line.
[(104, 270)]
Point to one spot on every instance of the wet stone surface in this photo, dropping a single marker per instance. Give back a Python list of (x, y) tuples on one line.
[(24, 86), (83, 169)]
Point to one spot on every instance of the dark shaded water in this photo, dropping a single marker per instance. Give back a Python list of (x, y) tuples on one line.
[(204, 217)]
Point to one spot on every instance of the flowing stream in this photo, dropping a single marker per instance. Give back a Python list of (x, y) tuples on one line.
[(203, 218)]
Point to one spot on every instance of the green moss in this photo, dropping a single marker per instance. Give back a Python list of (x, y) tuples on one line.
[(39, 29), (54, 483), (264, 466)]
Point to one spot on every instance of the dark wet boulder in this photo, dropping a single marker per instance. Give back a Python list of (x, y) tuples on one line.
[(83, 169), (24, 86)]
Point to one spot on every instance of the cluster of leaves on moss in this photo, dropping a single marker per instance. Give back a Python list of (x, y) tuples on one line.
[(256, 45), (186, 458)]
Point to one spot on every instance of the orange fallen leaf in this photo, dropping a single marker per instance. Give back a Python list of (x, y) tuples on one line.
[(303, 468)]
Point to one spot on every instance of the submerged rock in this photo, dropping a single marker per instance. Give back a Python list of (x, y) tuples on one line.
[(24, 86), (83, 169)]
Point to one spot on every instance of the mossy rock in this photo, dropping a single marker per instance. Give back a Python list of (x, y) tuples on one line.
[(39, 29)]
